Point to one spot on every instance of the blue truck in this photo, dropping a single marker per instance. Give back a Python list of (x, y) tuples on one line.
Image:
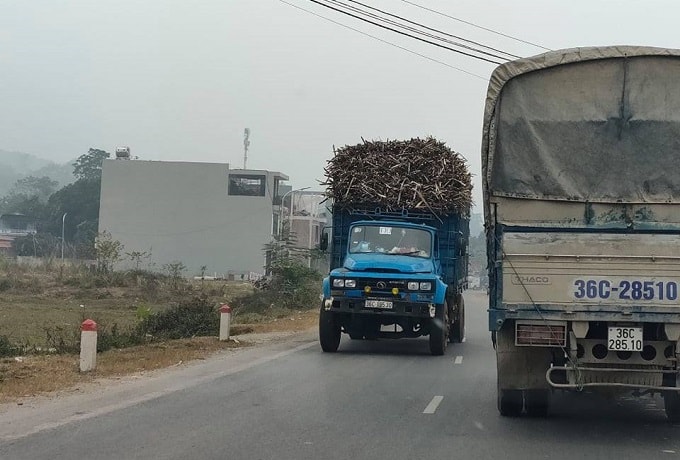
[(395, 273), (582, 215)]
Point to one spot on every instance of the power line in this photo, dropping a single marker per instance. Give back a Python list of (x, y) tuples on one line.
[(404, 33), (385, 41), (475, 25), (436, 30), (413, 29)]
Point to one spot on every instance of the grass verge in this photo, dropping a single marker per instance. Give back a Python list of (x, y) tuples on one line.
[(32, 375)]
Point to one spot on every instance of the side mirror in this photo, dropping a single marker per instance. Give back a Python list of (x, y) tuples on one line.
[(323, 244)]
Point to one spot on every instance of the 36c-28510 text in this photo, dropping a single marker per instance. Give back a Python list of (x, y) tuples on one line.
[(625, 289)]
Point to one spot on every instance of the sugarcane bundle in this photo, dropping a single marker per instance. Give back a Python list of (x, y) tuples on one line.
[(410, 174)]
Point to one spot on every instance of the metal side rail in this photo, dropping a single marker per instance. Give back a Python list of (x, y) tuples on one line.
[(581, 386)]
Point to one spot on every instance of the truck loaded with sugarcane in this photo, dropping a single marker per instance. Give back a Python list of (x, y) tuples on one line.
[(582, 209), (399, 245)]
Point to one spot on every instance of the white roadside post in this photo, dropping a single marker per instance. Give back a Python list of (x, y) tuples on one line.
[(225, 321), (88, 345)]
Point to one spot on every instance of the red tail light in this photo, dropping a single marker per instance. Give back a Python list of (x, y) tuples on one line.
[(541, 335)]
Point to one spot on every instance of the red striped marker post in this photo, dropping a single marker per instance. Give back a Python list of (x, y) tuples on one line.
[(225, 321), (88, 345)]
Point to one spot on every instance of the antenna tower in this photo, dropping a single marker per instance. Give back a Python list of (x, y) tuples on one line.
[(246, 144)]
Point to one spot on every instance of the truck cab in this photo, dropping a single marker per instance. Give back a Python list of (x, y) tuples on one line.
[(393, 278)]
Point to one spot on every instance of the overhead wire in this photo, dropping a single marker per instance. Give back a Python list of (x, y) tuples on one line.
[(414, 29), (476, 25), (439, 45), (401, 18), (385, 41)]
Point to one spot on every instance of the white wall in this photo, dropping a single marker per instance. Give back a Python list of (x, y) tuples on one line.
[(180, 211)]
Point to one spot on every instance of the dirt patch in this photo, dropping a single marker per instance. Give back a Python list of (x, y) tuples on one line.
[(28, 376)]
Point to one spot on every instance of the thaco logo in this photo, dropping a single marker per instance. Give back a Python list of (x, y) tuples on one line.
[(531, 279)]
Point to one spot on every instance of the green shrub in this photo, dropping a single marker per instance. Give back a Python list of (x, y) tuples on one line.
[(256, 302), (114, 338), (4, 263), (143, 312), (197, 317), (5, 284), (302, 297), (7, 348), (62, 339)]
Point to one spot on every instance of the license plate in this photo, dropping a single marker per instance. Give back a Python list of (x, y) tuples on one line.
[(624, 339), (384, 304)]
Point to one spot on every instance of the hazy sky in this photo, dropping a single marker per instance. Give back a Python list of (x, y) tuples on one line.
[(180, 80)]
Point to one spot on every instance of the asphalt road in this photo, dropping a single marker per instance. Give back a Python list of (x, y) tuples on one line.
[(371, 400)]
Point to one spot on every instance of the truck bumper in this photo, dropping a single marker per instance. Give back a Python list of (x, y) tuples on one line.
[(399, 308), (620, 378)]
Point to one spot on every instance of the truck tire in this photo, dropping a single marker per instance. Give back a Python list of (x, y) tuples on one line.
[(509, 399), (329, 332), (537, 402), (510, 403), (458, 325), (671, 403), (439, 330)]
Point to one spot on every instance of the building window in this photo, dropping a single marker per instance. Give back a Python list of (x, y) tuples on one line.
[(247, 184)]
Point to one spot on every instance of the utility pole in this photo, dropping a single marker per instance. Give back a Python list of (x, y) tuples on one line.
[(246, 145)]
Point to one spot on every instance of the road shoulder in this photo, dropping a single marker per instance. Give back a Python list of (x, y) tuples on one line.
[(102, 396)]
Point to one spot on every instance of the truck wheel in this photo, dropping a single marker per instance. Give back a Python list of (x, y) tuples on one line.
[(537, 402), (329, 332), (510, 402), (439, 328), (458, 326), (671, 402)]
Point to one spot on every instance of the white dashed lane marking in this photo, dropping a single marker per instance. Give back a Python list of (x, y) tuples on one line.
[(458, 360), (432, 407)]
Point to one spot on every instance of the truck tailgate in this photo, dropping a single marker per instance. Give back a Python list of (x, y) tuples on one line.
[(578, 269)]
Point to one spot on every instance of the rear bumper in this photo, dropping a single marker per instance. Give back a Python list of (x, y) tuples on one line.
[(577, 374)]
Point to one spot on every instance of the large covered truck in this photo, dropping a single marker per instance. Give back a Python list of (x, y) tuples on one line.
[(399, 246), (581, 177)]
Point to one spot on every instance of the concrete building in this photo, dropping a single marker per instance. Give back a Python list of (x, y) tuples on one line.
[(200, 214), (12, 226), (307, 216), (16, 224)]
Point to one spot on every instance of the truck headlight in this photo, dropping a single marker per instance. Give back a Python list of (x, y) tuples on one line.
[(350, 283), (412, 286), (425, 286), (338, 282)]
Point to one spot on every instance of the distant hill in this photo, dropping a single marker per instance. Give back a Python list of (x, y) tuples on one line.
[(20, 162), (17, 165)]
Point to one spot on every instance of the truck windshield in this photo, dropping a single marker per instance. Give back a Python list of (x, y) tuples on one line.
[(390, 240)]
